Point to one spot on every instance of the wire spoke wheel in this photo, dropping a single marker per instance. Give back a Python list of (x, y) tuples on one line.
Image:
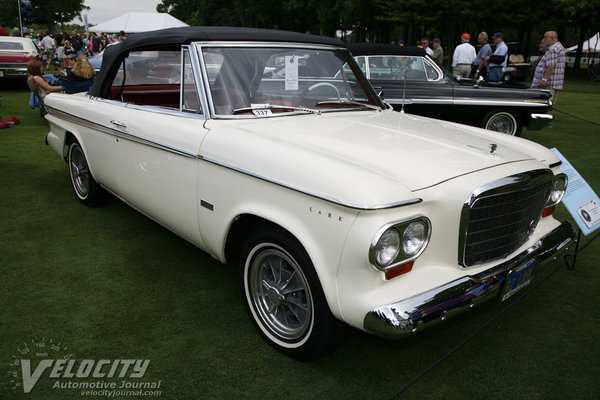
[(503, 122)]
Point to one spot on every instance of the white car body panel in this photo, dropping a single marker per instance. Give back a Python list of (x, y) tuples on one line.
[(333, 180)]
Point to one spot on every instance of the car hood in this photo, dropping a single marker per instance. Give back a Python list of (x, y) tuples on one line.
[(388, 155)]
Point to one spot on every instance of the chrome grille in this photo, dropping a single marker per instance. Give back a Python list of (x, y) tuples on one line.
[(498, 218)]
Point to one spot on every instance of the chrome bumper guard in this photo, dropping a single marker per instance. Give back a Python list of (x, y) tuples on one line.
[(539, 121), (407, 316)]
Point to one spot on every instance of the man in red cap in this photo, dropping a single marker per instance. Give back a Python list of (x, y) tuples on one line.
[(464, 54)]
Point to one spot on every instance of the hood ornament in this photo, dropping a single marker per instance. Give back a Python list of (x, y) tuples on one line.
[(490, 149)]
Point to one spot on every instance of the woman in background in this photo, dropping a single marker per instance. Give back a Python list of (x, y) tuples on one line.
[(36, 82), (82, 70)]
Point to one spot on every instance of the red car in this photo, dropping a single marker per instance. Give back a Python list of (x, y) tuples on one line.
[(15, 54)]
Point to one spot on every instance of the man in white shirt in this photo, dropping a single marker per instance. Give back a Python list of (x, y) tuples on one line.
[(49, 46), (425, 45), (463, 58)]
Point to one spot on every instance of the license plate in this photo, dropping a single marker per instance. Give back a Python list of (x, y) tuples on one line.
[(518, 278)]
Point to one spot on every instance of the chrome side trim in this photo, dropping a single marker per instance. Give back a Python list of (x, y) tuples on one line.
[(118, 132), (405, 317), (315, 195), (505, 103)]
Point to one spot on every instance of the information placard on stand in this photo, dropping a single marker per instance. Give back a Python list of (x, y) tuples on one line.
[(581, 201)]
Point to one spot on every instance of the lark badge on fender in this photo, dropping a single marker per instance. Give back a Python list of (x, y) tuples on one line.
[(270, 150)]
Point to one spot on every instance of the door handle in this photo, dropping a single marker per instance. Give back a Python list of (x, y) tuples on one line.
[(119, 123)]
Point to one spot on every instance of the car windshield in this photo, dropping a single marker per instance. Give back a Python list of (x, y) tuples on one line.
[(265, 81)]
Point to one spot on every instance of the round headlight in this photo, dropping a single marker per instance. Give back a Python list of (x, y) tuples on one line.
[(414, 237), (558, 189), (387, 247)]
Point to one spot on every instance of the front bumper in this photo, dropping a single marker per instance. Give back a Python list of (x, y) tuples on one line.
[(539, 121), (407, 316)]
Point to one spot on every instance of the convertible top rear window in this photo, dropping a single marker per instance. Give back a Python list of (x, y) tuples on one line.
[(11, 46)]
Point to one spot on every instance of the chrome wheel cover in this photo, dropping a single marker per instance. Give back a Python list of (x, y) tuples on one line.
[(279, 293), (80, 174), (503, 123)]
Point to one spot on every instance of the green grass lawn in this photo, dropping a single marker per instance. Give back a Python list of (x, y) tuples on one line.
[(108, 283)]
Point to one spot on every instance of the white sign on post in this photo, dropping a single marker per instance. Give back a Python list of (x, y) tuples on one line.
[(581, 201)]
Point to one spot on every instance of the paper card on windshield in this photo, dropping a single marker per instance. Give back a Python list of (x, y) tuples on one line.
[(291, 73), (261, 110)]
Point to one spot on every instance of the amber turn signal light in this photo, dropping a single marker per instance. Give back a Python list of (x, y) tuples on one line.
[(398, 270)]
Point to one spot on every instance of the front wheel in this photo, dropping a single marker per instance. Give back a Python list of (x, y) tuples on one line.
[(87, 190), (502, 121), (284, 297)]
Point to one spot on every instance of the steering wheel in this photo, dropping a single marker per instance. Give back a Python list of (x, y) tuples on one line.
[(316, 85)]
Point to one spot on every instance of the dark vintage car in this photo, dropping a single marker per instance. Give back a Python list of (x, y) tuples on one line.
[(410, 80), (15, 54)]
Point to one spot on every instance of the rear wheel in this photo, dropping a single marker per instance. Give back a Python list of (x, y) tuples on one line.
[(502, 121), (284, 296), (87, 190), (507, 77)]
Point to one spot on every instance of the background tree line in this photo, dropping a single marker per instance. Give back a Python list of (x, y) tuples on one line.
[(384, 21), (50, 14), (380, 21)]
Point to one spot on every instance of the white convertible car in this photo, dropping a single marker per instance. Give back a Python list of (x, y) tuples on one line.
[(271, 150)]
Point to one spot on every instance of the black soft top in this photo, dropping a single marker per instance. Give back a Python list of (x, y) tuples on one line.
[(175, 37), (376, 49)]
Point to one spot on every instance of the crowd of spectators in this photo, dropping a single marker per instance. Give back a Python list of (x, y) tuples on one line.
[(69, 54), (548, 70), (59, 46)]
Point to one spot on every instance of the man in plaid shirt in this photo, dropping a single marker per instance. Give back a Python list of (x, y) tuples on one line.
[(550, 71)]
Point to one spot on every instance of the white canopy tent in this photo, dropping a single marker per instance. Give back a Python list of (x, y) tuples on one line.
[(590, 45), (133, 22)]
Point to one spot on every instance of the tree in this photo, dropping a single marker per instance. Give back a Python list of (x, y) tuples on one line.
[(53, 12), (10, 13), (585, 12)]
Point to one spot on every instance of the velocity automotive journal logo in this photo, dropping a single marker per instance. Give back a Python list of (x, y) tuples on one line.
[(106, 378)]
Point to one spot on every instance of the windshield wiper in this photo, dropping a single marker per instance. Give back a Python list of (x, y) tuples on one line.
[(349, 102), (276, 107)]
